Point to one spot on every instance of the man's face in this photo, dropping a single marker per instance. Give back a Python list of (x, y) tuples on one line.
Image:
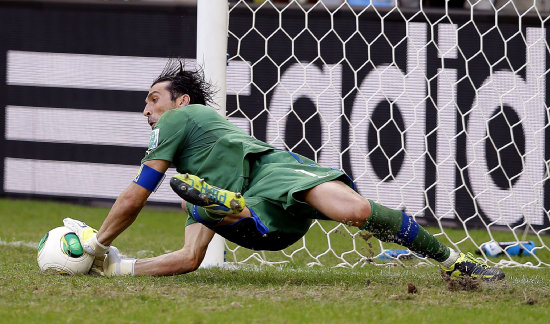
[(158, 102)]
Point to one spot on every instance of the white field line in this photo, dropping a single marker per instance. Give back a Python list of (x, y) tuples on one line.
[(32, 245)]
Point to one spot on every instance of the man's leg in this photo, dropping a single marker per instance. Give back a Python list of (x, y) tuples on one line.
[(339, 202)]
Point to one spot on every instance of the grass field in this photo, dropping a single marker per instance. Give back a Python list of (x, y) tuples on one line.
[(291, 293)]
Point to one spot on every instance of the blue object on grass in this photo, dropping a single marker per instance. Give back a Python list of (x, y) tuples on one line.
[(494, 249), (389, 254)]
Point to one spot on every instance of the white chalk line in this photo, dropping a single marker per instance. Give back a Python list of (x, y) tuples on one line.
[(32, 245)]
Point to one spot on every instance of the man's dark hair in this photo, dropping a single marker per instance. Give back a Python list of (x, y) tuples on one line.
[(183, 82)]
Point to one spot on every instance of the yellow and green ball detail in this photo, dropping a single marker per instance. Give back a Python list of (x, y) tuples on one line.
[(41, 244), (71, 245)]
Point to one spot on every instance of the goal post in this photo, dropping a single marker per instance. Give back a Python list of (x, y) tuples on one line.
[(441, 113), (212, 59)]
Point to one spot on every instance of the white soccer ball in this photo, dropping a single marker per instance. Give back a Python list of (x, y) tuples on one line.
[(60, 249)]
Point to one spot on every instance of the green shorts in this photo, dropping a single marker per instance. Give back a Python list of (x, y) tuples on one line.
[(279, 218)]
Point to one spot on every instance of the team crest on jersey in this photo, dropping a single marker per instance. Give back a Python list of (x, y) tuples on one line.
[(154, 140)]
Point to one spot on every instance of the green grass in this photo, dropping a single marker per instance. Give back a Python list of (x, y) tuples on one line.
[(292, 293)]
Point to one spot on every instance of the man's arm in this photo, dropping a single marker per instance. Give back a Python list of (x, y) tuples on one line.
[(127, 206), (189, 258)]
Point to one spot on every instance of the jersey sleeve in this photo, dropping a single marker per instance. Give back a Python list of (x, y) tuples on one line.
[(166, 138)]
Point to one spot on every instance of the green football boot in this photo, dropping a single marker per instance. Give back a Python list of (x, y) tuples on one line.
[(215, 200), (467, 265)]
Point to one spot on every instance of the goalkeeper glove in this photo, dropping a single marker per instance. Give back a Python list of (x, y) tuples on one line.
[(90, 244), (116, 265)]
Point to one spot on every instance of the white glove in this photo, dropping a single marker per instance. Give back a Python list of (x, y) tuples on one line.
[(116, 265), (88, 237)]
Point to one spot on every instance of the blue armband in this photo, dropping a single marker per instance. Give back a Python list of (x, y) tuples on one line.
[(148, 178)]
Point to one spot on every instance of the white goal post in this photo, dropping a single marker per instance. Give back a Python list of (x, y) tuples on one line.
[(442, 113), (212, 59)]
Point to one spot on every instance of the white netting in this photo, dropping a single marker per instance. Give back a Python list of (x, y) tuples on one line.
[(438, 112)]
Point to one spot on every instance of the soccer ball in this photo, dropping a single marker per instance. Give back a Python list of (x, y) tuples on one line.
[(60, 249)]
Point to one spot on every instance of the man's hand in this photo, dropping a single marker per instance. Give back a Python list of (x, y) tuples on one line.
[(116, 265), (88, 238)]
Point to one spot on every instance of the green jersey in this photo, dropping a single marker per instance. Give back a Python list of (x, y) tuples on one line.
[(197, 140)]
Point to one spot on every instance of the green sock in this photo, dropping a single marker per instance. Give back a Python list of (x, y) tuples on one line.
[(391, 225)]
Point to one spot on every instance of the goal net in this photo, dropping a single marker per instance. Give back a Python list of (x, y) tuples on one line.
[(438, 112)]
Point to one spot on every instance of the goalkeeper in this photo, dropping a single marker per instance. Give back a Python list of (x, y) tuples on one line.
[(243, 189)]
